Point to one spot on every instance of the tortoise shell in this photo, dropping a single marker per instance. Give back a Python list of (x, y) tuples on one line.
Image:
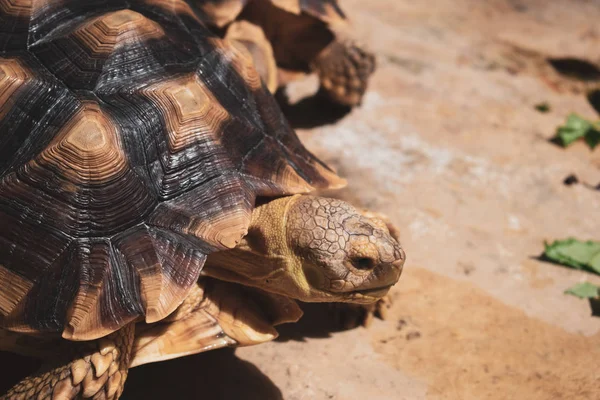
[(223, 12), (133, 143)]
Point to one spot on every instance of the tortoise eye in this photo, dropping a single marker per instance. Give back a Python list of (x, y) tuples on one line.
[(363, 263)]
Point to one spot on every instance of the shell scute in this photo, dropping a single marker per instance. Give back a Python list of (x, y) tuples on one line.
[(107, 294), (85, 172), (15, 16), (166, 265)]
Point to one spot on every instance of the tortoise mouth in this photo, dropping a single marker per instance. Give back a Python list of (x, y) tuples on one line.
[(373, 293)]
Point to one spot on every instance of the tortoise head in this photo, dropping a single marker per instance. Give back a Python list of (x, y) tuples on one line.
[(313, 249), (344, 255)]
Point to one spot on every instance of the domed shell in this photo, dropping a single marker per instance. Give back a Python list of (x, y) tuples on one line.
[(133, 143), (223, 12)]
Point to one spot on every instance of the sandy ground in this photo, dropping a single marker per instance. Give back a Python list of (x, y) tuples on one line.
[(448, 145)]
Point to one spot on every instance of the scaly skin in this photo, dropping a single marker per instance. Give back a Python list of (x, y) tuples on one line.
[(93, 370), (350, 316), (333, 232), (313, 249), (344, 69)]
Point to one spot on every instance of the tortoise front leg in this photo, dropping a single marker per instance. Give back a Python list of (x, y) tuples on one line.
[(344, 68), (215, 314), (350, 316), (91, 370), (301, 42)]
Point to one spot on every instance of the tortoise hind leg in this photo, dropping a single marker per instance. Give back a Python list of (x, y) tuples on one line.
[(92, 370)]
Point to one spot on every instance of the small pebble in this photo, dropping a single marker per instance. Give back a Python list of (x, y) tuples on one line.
[(543, 107), (401, 324)]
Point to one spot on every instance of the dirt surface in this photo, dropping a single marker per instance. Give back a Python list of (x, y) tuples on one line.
[(449, 145)]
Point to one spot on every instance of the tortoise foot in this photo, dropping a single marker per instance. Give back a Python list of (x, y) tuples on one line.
[(94, 370), (350, 316), (344, 69)]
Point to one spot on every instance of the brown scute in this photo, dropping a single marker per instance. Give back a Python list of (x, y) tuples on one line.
[(250, 39), (106, 287), (102, 34), (112, 196), (241, 61), (219, 215), (13, 76), (80, 54), (30, 253), (88, 150), (192, 114), (85, 162), (145, 271), (167, 266), (16, 8), (281, 173), (15, 289), (20, 18)]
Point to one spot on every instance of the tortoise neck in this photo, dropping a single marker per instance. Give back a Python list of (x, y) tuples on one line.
[(263, 258)]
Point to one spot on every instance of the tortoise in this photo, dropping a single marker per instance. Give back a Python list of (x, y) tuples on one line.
[(298, 36), (154, 201)]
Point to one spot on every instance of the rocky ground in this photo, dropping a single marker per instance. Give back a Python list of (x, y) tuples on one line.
[(449, 145)]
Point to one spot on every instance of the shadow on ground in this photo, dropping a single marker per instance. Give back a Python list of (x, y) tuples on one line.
[(213, 375), (320, 320), (220, 374), (15, 368), (311, 112)]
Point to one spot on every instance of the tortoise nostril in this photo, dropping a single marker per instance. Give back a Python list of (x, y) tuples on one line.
[(363, 263), (402, 255), (399, 263)]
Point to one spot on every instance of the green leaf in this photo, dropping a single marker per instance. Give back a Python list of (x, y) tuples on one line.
[(575, 254), (575, 128), (592, 138), (584, 290)]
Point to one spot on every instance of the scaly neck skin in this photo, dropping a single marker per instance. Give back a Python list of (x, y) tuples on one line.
[(263, 258)]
